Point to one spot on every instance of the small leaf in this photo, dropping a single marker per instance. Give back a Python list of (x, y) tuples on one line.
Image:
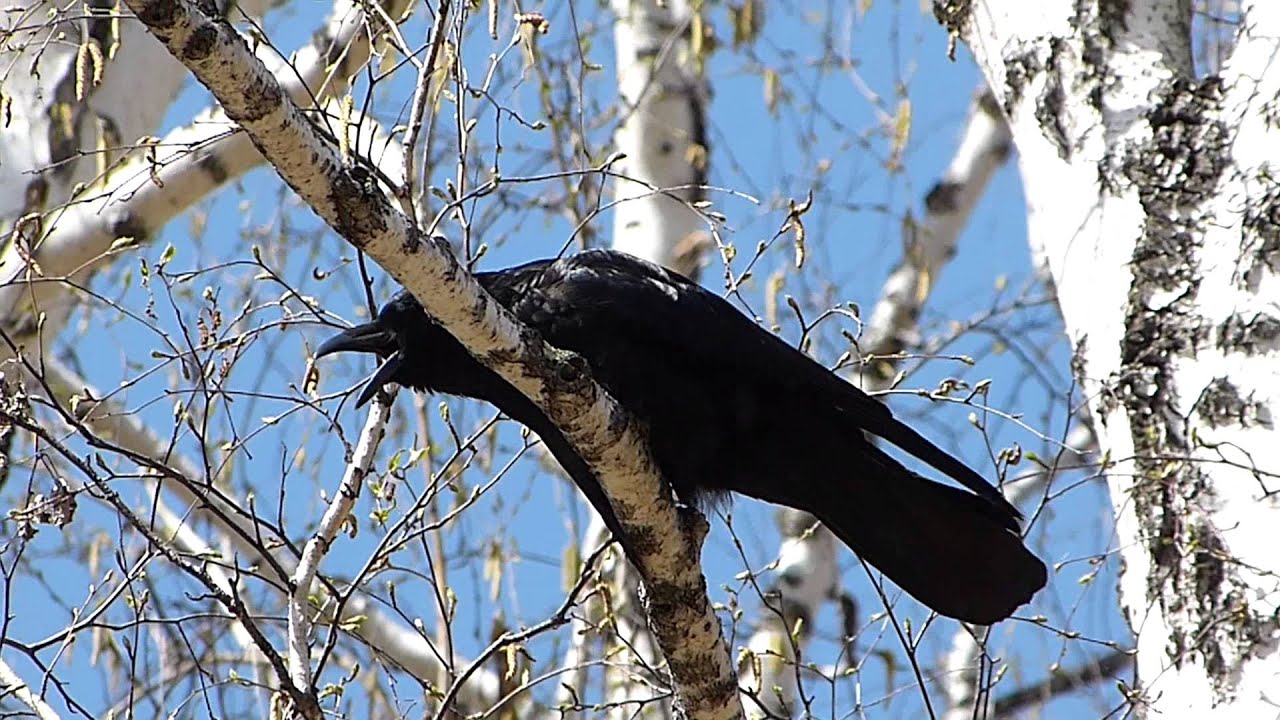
[(901, 133), (771, 91), (570, 566), (122, 242), (493, 568)]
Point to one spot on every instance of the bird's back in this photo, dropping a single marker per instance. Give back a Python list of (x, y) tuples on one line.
[(673, 359), (720, 392), (731, 407)]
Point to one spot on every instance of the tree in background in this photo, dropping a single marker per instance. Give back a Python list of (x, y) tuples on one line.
[(181, 538)]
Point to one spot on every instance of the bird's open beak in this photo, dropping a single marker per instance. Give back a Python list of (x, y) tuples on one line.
[(367, 338), (386, 373)]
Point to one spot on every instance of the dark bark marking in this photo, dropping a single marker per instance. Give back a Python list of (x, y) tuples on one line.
[(1194, 578)]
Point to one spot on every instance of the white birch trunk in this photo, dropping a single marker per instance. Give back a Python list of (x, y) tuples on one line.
[(662, 135), (808, 575), (73, 89), (1153, 194)]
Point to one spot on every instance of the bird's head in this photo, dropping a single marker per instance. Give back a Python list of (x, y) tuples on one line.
[(403, 335)]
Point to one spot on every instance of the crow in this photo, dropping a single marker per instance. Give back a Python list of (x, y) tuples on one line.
[(729, 406)]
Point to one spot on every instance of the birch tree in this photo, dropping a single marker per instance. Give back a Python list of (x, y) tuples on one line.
[(1150, 185)]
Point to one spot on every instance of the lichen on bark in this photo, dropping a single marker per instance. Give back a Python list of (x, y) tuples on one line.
[(1193, 578)]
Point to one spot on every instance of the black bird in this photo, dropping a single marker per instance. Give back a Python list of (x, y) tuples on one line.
[(730, 407)]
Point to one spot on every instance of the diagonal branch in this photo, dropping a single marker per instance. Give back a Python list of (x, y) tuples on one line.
[(609, 441), (335, 516), (984, 148), (11, 684), (664, 154)]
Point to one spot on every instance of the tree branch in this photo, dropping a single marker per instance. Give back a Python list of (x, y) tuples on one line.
[(11, 684), (662, 135), (335, 516), (609, 441), (664, 153)]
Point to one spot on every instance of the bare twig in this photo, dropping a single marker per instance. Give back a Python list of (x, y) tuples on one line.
[(422, 94), (1064, 681), (336, 515)]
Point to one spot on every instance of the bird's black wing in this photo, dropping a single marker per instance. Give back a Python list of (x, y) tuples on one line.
[(571, 298), (731, 407)]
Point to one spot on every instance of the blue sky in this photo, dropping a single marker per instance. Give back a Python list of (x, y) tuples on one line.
[(854, 230)]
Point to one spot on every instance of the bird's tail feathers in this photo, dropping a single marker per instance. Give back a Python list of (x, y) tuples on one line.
[(903, 436), (950, 549)]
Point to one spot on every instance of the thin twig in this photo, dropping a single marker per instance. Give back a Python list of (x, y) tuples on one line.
[(337, 514), (421, 93), (1063, 681)]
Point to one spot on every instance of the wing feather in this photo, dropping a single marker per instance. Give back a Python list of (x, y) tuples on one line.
[(598, 301)]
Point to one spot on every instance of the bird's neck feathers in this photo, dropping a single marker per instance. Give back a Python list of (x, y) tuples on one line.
[(437, 363)]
